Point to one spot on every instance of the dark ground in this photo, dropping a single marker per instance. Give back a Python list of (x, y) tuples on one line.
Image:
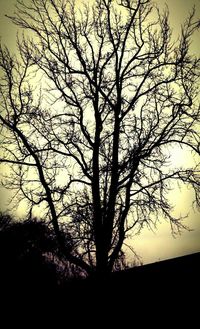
[(29, 290), (167, 290)]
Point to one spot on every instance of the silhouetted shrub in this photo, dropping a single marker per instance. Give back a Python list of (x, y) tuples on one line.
[(26, 249), (30, 257)]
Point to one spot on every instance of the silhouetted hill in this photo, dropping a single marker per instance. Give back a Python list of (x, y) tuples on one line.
[(186, 266), (173, 277), (166, 290)]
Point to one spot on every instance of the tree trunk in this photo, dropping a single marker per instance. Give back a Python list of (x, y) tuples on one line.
[(102, 269)]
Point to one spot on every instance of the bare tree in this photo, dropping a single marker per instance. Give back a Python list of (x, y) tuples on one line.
[(90, 108)]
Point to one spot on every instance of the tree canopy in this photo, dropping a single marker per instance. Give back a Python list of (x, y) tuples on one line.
[(90, 108)]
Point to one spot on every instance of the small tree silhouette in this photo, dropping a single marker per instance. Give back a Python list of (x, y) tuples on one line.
[(91, 145), (30, 257), (22, 248)]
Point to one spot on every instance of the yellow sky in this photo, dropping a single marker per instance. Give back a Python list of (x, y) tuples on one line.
[(151, 246)]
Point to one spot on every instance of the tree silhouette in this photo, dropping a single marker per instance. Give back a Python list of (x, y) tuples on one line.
[(22, 256), (90, 108), (30, 255)]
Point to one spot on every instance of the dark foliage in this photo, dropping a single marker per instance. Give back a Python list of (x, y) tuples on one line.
[(24, 247), (30, 259)]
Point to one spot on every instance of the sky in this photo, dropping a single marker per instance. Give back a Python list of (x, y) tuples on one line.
[(158, 244)]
